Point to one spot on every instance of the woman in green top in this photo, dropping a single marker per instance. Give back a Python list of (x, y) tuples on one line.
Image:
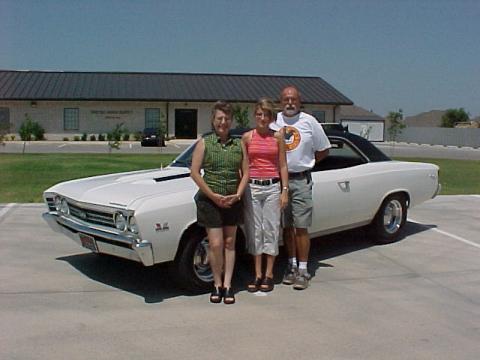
[(219, 207)]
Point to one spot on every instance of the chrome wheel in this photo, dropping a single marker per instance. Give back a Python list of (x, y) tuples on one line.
[(393, 216), (201, 265)]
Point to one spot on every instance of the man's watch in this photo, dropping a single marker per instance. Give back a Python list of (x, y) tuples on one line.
[(285, 188)]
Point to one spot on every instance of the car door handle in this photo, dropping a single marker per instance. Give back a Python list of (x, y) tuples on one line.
[(344, 185)]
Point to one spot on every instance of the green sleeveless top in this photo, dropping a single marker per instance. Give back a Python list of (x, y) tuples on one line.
[(221, 164)]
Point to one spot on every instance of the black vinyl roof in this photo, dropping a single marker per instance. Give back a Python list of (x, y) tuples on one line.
[(130, 86)]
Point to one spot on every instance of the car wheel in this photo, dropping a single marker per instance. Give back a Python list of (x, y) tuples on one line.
[(192, 268), (390, 219)]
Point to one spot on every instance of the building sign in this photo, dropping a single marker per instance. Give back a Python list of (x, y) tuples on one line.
[(111, 114)]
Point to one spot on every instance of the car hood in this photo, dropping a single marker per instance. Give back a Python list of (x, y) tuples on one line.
[(120, 190)]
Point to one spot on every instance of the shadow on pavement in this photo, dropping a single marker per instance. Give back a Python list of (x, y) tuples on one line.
[(155, 283)]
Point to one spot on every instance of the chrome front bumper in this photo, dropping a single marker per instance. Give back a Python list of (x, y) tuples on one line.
[(111, 243)]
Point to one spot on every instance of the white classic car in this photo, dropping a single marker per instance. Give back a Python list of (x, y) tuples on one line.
[(149, 216)]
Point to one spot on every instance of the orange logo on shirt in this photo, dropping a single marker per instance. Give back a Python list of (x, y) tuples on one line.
[(292, 138)]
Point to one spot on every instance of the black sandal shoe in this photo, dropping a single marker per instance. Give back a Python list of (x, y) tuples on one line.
[(216, 295), (254, 285), (267, 284), (228, 296)]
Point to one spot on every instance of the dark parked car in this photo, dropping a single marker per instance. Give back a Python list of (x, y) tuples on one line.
[(152, 137)]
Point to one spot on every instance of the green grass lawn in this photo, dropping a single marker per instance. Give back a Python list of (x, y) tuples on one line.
[(23, 178), (456, 176)]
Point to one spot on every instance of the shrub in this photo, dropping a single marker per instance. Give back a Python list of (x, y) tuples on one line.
[(38, 131), (76, 138), (126, 137), (12, 137), (26, 129), (30, 130), (66, 139), (101, 137), (92, 137), (137, 136), (84, 137)]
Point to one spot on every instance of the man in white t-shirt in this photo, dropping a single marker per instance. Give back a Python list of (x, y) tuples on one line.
[(306, 144)]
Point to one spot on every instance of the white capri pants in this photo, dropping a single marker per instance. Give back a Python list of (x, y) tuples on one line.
[(262, 218)]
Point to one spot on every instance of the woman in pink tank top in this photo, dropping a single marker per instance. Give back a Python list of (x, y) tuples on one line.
[(266, 194)]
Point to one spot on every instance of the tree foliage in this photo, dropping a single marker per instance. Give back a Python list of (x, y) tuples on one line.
[(114, 137), (396, 126), (31, 130), (453, 116), (240, 115)]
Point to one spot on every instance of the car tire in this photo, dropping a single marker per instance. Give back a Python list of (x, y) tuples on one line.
[(191, 267), (389, 220)]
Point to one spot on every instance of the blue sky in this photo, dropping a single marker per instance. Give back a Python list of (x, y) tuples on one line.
[(384, 55)]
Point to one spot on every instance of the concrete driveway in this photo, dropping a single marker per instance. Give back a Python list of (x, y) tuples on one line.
[(418, 298)]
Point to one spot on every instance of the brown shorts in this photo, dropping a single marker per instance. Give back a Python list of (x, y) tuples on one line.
[(210, 215)]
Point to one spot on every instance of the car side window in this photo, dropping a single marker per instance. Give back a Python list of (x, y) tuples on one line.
[(341, 155)]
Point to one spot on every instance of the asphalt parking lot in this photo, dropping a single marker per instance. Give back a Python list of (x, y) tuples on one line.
[(418, 298)]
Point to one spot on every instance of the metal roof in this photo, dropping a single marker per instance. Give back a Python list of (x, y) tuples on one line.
[(130, 86)]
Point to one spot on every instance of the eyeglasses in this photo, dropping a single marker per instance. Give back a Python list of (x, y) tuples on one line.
[(262, 115)]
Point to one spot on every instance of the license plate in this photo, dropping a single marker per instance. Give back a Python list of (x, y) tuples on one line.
[(88, 242)]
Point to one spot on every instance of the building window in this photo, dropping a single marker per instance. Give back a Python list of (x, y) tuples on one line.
[(152, 118), (70, 119), (319, 115)]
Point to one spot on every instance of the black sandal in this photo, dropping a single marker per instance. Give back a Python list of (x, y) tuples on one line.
[(254, 285), (267, 284), (216, 295), (228, 296)]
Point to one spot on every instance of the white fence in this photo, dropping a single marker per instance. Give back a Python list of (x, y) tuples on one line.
[(441, 136)]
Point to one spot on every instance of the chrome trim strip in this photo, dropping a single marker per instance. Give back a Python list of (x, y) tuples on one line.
[(128, 246)]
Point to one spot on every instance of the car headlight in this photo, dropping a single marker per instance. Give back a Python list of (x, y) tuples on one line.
[(64, 209), (58, 202), (132, 225), (120, 221)]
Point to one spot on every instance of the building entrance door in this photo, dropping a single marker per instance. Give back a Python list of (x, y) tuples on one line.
[(5, 119), (186, 123)]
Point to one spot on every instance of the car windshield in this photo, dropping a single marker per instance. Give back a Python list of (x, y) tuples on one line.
[(185, 158)]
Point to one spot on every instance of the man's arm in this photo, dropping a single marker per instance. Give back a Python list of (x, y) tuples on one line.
[(320, 155)]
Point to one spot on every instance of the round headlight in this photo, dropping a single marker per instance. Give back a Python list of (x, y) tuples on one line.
[(58, 202), (120, 221), (132, 225), (64, 207)]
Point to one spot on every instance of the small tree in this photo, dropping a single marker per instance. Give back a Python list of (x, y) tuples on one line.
[(26, 128), (240, 115), (453, 116), (396, 126), (115, 137), (31, 130)]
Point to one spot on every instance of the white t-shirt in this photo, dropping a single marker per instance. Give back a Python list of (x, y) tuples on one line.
[(303, 137)]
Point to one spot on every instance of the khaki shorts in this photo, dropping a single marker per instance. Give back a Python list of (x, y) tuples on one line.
[(210, 215), (298, 213)]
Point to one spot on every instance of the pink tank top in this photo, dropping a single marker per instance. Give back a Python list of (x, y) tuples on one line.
[(263, 156)]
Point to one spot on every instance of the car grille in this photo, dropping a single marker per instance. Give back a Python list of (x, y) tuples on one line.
[(92, 216)]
